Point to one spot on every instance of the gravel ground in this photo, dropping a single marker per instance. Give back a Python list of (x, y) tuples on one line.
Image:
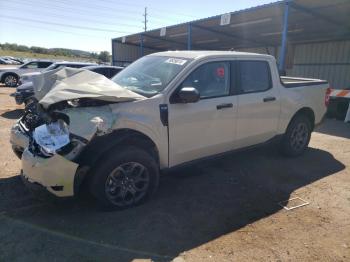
[(222, 210)]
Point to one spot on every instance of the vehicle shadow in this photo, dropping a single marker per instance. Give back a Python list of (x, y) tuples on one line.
[(334, 128), (193, 206), (13, 114)]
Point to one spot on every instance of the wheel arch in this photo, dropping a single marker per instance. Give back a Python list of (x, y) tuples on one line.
[(305, 111), (102, 145)]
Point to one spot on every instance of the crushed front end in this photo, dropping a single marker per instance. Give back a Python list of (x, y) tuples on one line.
[(73, 108), (48, 150)]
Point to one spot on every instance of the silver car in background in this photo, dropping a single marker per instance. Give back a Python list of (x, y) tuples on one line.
[(28, 77), (10, 76)]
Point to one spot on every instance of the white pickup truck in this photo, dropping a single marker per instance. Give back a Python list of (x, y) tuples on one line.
[(164, 110)]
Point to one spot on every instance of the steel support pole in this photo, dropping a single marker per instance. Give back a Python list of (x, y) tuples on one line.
[(283, 51), (189, 36), (141, 45), (113, 54)]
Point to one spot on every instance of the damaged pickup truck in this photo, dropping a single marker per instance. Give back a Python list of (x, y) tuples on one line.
[(162, 111)]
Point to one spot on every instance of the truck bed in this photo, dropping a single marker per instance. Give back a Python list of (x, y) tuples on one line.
[(290, 82)]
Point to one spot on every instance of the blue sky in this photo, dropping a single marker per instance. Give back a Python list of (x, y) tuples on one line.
[(90, 25)]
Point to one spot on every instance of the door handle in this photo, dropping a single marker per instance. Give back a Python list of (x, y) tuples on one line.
[(269, 99), (222, 106)]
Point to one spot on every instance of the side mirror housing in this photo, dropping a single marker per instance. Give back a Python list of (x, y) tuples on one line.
[(188, 95)]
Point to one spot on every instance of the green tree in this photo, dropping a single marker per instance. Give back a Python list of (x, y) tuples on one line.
[(104, 56)]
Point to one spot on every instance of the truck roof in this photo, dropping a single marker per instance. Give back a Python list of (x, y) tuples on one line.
[(204, 53)]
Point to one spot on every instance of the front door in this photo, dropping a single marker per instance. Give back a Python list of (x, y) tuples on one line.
[(206, 127)]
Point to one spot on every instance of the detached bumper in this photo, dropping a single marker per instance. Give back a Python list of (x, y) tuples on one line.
[(56, 173)]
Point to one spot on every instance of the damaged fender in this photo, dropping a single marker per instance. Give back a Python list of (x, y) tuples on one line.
[(87, 122)]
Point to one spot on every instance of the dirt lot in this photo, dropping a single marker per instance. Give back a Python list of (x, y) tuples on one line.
[(222, 210)]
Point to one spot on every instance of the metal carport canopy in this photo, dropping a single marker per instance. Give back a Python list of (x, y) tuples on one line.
[(298, 21)]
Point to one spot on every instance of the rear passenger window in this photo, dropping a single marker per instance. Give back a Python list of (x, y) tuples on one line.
[(211, 79), (254, 76), (44, 64)]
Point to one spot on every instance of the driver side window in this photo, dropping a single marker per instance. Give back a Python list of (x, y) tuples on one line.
[(211, 79)]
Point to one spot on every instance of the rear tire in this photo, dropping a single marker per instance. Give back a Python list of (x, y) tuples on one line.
[(11, 80), (127, 177), (297, 137)]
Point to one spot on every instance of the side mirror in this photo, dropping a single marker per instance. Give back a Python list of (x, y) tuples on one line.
[(188, 95)]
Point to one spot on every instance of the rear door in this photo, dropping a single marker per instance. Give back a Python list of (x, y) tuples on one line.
[(258, 103), (206, 127)]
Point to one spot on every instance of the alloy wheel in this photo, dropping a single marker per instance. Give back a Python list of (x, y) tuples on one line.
[(299, 136), (127, 184), (10, 81)]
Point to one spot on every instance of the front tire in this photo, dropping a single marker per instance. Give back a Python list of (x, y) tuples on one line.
[(297, 137), (11, 80), (127, 177)]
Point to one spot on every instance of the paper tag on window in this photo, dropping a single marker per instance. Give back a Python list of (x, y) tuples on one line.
[(176, 61), (225, 19)]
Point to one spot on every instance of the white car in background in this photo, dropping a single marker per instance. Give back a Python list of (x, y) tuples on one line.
[(11, 60), (10, 76)]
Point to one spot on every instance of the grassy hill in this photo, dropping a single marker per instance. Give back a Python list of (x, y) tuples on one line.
[(31, 55), (36, 52)]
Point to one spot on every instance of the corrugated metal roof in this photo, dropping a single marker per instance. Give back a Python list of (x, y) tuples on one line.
[(261, 26)]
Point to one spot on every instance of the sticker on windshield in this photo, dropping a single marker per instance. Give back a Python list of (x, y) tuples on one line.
[(176, 61)]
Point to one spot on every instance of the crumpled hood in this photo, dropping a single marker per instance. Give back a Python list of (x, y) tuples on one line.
[(68, 83)]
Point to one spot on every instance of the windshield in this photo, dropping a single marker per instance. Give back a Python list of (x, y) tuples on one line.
[(150, 74)]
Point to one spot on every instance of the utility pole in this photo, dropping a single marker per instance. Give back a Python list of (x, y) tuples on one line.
[(145, 21)]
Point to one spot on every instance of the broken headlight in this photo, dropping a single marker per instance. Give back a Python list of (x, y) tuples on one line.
[(51, 137)]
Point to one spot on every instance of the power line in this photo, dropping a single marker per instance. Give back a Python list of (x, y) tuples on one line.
[(49, 29), (91, 6), (76, 14), (159, 9), (94, 21), (83, 19), (64, 25), (68, 9)]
